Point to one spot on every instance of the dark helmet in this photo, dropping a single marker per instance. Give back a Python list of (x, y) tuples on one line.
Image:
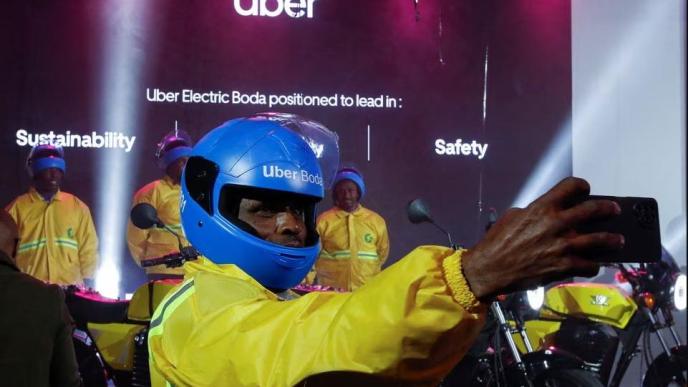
[(353, 175), (173, 146), (44, 156)]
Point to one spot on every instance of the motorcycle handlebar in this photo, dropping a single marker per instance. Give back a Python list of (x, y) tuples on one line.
[(174, 259), (160, 261)]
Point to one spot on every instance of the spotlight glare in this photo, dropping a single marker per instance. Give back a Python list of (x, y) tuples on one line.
[(552, 167), (680, 295), (536, 297), (107, 279), (122, 58)]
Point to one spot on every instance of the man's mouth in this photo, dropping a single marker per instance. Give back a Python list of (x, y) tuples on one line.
[(293, 244), (291, 241)]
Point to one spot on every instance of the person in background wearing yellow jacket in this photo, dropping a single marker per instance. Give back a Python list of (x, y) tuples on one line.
[(354, 239), (248, 200), (57, 238), (163, 194)]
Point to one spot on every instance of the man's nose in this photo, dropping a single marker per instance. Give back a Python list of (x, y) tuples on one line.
[(288, 222)]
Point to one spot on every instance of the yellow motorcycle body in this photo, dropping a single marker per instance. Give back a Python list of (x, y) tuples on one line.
[(115, 340), (602, 303), (540, 334)]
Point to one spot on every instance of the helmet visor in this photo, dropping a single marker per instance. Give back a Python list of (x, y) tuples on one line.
[(261, 207), (45, 150), (323, 142), (43, 156)]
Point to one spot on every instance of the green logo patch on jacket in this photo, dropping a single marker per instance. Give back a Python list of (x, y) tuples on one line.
[(368, 238)]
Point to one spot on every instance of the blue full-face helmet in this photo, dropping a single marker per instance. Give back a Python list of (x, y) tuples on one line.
[(44, 156), (270, 153)]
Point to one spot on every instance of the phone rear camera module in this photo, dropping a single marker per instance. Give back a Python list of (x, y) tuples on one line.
[(645, 214)]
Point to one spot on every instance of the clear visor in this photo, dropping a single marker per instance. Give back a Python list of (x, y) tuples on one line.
[(323, 142), (263, 205)]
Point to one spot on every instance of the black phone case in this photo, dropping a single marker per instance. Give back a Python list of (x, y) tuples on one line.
[(638, 223)]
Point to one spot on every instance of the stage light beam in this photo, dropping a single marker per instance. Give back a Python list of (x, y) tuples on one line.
[(123, 57), (557, 161)]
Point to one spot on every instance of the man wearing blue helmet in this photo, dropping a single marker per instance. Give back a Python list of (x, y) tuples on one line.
[(248, 193), (354, 239), (58, 241), (163, 194)]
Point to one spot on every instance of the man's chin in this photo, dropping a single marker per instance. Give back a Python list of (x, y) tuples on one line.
[(350, 207), (48, 188)]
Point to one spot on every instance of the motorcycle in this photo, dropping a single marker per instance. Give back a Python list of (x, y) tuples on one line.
[(517, 364), (591, 320), (111, 336)]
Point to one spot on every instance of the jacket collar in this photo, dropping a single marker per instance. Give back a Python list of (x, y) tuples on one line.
[(36, 197), (341, 213), (203, 264), (168, 180)]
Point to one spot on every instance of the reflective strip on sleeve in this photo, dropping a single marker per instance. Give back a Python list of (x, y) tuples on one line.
[(343, 254), (163, 311), (346, 254), (66, 242), (325, 254), (367, 255), (32, 245)]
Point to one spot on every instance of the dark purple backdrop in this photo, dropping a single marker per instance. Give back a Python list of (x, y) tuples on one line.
[(52, 78)]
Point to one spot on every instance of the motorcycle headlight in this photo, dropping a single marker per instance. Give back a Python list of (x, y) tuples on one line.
[(680, 292), (537, 297)]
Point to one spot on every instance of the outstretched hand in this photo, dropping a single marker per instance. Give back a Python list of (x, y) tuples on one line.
[(538, 244)]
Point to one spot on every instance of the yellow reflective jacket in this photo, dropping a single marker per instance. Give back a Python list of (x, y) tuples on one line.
[(162, 194), (57, 239), (410, 324), (354, 247)]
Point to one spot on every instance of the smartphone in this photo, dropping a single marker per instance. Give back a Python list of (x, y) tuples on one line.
[(638, 223)]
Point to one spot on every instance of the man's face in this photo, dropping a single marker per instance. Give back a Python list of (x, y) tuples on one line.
[(278, 222), (346, 195), (48, 180), (175, 169)]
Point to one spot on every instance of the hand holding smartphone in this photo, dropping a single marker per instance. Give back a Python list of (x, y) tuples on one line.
[(638, 223)]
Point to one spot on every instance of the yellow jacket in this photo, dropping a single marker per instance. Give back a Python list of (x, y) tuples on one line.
[(411, 323), (162, 194), (57, 239), (354, 247)]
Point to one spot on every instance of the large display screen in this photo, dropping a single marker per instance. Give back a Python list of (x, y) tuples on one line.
[(454, 102)]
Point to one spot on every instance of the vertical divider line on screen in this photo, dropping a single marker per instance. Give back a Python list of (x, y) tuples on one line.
[(368, 154)]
